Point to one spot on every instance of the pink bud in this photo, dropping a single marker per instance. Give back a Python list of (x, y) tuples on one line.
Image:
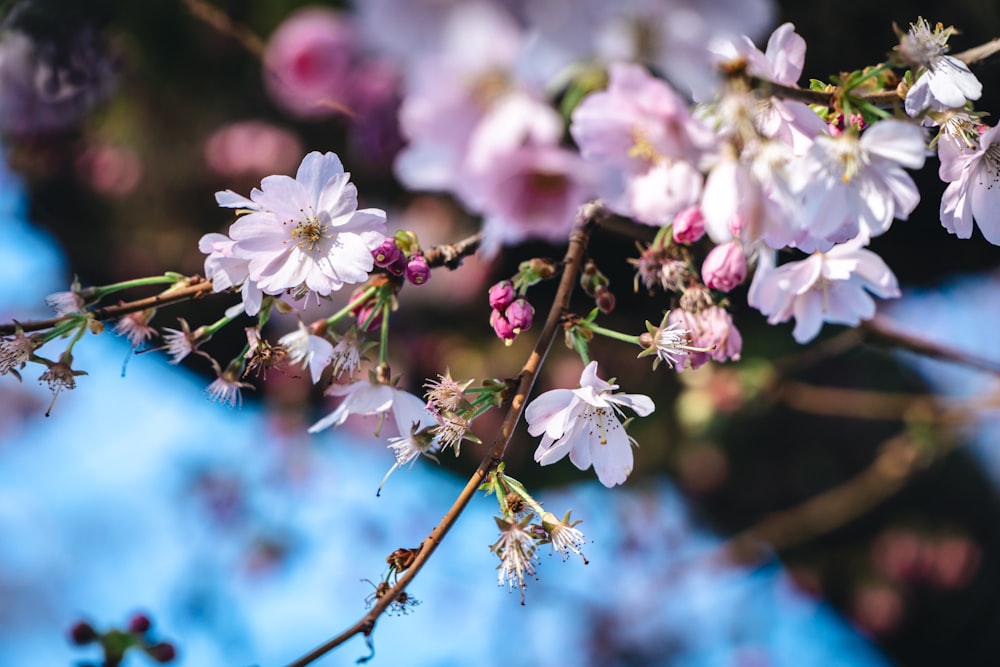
[(386, 254), (417, 271), (605, 300), (689, 225), (398, 266), (520, 314), (502, 295), (725, 267), (503, 328)]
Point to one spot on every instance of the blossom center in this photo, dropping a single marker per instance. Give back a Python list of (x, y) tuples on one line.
[(309, 233), (592, 415)]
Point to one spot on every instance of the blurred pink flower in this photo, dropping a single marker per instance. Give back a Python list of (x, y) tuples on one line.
[(252, 147), (110, 170), (309, 61), (725, 267)]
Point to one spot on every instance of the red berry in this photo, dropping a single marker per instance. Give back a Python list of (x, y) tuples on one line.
[(163, 652), (139, 624)]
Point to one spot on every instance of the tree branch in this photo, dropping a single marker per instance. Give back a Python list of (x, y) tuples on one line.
[(589, 216)]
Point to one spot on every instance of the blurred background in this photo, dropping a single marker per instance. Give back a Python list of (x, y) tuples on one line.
[(830, 505)]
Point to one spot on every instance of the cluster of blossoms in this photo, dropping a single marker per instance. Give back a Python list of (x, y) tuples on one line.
[(749, 184)]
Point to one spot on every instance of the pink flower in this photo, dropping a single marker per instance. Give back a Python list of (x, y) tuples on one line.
[(825, 287), (306, 233), (642, 127), (725, 267), (226, 270), (711, 335), (851, 184), (972, 193), (586, 424), (308, 62), (252, 147)]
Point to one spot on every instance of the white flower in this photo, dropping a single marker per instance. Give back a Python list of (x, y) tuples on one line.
[(851, 184), (586, 424), (825, 287), (943, 82), (309, 350), (304, 232), (374, 398), (563, 534), (972, 192)]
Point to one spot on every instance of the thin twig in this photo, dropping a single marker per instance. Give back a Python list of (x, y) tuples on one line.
[(218, 20), (589, 216), (878, 331)]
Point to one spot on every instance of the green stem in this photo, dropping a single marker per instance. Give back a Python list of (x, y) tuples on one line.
[(166, 279), (617, 335), (364, 296), (383, 354)]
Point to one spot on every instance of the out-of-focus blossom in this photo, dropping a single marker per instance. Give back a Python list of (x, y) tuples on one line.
[(305, 233), (136, 328), (732, 201), (642, 127), (824, 287), (110, 170), (48, 85), (854, 184), (791, 122), (252, 147), (972, 193), (309, 60), (725, 267), (586, 423), (227, 387), (943, 81), (364, 397)]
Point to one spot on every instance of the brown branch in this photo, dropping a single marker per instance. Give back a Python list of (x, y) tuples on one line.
[(452, 254), (589, 216), (198, 287), (879, 332), (899, 459), (218, 20), (978, 53)]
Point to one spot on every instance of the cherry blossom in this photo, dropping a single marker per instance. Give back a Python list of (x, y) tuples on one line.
[(305, 233), (943, 81), (972, 194), (586, 424), (851, 184), (365, 397), (824, 287)]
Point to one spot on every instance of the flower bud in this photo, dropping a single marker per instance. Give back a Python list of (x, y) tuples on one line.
[(725, 267), (82, 633), (689, 225), (139, 624), (387, 253), (502, 295), (398, 266), (502, 327), (605, 300), (162, 652), (520, 314), (417, 271)]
